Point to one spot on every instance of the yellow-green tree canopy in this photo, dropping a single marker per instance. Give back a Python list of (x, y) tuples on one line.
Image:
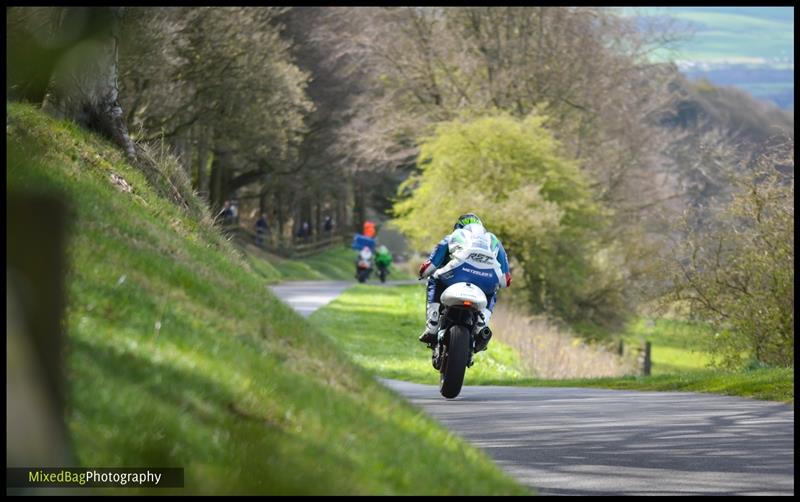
[(510, 173), (505, 169)]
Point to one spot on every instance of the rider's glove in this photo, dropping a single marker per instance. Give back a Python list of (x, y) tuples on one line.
[(508, 279)]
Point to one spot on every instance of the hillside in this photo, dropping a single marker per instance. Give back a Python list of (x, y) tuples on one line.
[(742, 118), (749, 48), (178, 354)]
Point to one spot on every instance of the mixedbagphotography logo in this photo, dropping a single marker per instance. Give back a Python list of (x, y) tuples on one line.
[(94, 477)]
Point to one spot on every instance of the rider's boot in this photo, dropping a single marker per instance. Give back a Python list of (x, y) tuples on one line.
[(482, 332), (431, 332)]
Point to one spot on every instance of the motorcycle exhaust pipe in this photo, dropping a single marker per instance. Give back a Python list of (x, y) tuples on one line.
[(482, 338)]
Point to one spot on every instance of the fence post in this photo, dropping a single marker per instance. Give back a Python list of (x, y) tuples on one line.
[(646, 363)]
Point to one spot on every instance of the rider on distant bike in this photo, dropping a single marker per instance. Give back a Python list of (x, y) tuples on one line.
[(364, 264), (450, 263), (383, 259)]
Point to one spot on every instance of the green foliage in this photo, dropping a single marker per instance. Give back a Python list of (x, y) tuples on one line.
[(539, 204), (237, 79), (677, 346), (177, 353), (739, 274), (704, 86)]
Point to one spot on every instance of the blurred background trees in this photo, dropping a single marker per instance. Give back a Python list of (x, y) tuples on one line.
[(736, 271), (553, 123)]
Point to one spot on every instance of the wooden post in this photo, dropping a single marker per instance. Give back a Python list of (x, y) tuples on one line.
[(646, 347), (646, 364)]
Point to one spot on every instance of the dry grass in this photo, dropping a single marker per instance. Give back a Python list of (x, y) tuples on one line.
[(549, 352)]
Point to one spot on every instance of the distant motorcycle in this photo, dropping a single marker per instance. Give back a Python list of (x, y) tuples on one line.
[(383, 259), (364, 265)]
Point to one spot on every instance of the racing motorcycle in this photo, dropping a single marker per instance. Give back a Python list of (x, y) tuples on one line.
[(471, 272), (460, 311), (364, 265)]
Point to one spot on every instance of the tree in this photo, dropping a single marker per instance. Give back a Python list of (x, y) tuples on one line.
[(737, 272), (82, 85), (219, 84), (511, 172), (585, 69)]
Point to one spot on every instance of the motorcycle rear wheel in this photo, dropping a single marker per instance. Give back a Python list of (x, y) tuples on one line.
[(451, 376)]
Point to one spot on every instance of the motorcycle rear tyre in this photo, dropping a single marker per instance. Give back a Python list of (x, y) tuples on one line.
[(451, 376)]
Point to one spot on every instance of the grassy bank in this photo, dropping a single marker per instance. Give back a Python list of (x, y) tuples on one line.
[(178, 354), (379, 326), (335, 264)]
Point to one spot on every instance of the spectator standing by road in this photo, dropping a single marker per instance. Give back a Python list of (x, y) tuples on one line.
[(226, 213), (304, 231), (261, 229)]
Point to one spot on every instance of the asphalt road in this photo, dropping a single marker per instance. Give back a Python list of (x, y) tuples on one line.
[(307, 296), (570, 441)]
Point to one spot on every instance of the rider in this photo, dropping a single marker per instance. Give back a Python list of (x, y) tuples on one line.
[(383, 257), (365, 257), (449, 263)]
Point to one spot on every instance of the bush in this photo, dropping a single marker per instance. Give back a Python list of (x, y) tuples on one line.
[(738, 273)]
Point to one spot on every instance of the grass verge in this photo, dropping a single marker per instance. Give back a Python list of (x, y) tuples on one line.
[(770, 384), (179, 355), (332, 264), (378, 327)]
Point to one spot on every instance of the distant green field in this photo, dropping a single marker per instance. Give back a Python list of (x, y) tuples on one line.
[(751, 48), (676, 346), (730, 33)]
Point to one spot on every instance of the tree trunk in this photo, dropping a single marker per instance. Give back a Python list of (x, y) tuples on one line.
[(281, 215), (318, 212), (84, 86), (341, 215), (215, 184), (202, 165), (179, 150), (189, 151), (359, 209), (262, 202)]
